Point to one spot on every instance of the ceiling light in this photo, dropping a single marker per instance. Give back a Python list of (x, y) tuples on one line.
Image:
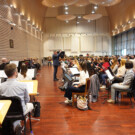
[(67, 21), (79, 17), (66, 13), (129, 22), (11, 6), (95, 7), (28, 19), (21, 14), (93, 12), (78, 22), (103, 2), (53, 6), (89, 21), (66, 8)]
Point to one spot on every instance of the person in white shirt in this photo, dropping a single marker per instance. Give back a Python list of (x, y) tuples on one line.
[(14, 88), (80, 87), (23, 75)]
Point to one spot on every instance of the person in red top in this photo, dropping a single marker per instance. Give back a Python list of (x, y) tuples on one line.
[(105, 66)]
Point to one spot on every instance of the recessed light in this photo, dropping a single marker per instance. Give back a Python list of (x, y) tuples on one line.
[(93, 12), (89, 21), (11, 6), (79, 17), (66, 12), (66, 8), (28, 19), (95, 7), (21, 14), (67, 21), (129, 22), (78, 22), (53, 6)]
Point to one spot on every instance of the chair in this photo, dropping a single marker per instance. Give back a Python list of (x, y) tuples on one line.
[(130, 92), (85, 93), (15, 111)]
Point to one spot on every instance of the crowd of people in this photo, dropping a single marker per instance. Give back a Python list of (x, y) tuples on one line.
[(122, 68), (13, 87)]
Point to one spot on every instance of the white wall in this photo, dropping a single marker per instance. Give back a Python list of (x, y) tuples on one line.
[(92, 38)]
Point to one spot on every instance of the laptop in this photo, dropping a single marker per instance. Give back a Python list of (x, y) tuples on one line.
[(67, 77)]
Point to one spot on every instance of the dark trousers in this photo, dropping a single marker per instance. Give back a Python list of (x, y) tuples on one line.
[(118, 80), (69, 90), (55, 72)]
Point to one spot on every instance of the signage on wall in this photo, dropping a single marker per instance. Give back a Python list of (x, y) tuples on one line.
[(11, 43)]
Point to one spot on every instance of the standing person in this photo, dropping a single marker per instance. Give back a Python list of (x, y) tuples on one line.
[(55, 58)]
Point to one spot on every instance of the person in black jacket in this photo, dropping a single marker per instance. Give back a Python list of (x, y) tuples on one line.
[(55, 59), (4, 63)]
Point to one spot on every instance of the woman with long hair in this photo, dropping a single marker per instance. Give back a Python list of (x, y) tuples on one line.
[(80, 87), (23, 74)]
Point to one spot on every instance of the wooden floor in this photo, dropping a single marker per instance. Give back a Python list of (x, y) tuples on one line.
[(57, 118)]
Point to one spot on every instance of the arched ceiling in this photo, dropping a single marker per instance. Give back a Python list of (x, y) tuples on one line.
[(121, 14), (118, 14)]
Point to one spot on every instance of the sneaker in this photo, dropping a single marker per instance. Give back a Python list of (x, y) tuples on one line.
[(18, 130), (110, 101), (67, 101), (103, 87)]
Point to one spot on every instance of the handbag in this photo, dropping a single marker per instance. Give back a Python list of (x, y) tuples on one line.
[(82, 103), (36, 110)]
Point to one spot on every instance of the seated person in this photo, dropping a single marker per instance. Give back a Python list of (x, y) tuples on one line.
[(23, 75), (81, 85), (49, 61), (4, 63), (14, 88), (129, 76), (114, 66), (103, 76), (119, 77)]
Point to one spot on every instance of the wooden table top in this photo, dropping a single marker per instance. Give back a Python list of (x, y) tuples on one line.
[(4, 106)]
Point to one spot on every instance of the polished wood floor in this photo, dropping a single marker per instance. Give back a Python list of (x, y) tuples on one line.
[(57, 118)]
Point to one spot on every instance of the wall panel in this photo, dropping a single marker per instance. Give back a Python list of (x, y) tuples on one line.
[(25, 44)]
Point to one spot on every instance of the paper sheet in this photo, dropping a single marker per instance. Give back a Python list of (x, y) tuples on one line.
[(74, 71), (1, 105), (29, 86), (31, 72), (0, 81), (15, 62), (109, 75), (2, 74)]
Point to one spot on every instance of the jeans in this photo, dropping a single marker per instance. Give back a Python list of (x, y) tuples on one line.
[(55, 72), (103, 77), (116, 86)]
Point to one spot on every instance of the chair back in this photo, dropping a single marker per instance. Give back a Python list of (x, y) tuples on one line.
[(87, 86), (132, 86), (16, 106)]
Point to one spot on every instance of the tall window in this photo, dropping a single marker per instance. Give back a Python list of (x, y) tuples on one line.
[(125, 43)]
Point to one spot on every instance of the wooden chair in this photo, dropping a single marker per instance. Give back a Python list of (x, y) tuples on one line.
[(85, 93)]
